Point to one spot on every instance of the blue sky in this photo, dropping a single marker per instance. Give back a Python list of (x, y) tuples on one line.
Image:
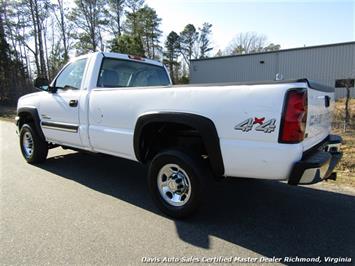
[(288, 23)]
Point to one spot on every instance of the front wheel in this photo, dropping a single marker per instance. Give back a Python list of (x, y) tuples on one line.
[(176, 182), (33, 148)]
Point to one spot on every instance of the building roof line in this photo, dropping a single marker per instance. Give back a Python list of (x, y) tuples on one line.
[(278, 51)]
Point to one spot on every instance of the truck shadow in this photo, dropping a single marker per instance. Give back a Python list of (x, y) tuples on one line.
[(269, 218)]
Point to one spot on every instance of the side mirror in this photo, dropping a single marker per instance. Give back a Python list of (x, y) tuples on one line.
[(41, 84)]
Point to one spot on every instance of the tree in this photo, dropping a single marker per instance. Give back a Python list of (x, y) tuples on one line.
[(245, 43), (88, 17), (219, 53), (115, 14), (65, 28), (38, 13), (250, 42), (142, 23), (134, 5), (30, 17), (132, 21), (13, 82), (58, 55), (13, 25), (4, 60), (127, 44), (25, 27), (188, 40), (272, 47), (148, 30), (172, 48), (131, 41), (204, 40), (346, 83)]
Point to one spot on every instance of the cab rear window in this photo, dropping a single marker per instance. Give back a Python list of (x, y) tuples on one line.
[(115, 73)]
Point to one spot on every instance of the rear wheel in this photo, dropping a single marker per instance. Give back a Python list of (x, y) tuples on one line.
[(34, 149), (177, 182)]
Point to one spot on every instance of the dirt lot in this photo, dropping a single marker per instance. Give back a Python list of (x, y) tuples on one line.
[(346, 168)]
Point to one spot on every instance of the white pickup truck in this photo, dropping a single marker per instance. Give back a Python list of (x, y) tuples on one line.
[(125, 106)]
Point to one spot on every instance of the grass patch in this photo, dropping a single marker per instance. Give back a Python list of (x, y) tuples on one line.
[(346, 167)]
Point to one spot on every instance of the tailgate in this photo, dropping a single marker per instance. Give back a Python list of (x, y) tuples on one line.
[(320, 104)]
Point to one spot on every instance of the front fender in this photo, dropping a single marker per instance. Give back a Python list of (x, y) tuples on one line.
[(29, 113)]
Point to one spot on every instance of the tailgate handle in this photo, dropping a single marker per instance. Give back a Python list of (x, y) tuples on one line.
[(327, 101)]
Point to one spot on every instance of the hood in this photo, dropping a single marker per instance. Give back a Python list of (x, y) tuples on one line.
[(30, 100)]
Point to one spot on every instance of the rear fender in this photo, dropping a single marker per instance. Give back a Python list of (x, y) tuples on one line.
[(203, 125)]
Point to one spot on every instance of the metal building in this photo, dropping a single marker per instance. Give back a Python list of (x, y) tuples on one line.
[(323, 63)]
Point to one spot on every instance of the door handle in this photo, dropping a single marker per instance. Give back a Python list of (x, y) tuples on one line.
[(73, 103)]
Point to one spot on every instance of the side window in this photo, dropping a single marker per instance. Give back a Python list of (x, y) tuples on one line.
[(71, 76)]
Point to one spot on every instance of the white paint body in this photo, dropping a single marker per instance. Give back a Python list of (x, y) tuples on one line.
[(107, 118)]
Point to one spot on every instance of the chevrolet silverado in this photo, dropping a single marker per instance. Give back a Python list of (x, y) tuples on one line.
[(126, 106)]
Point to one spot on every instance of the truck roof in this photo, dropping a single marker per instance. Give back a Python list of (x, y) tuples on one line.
[(131, 58)]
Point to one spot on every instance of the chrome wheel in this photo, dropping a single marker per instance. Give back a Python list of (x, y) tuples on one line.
[(174, 185), (27, 144)]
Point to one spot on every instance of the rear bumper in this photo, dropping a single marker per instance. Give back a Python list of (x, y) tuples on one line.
[(318, 164)]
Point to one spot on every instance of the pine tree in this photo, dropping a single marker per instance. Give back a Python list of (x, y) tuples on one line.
[(132, 26), (172, 48), (204, 40), (149, 31), (127, 44), (142, 24), (188, 40)]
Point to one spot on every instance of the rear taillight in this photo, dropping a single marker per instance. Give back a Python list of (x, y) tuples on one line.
[(294, 117)]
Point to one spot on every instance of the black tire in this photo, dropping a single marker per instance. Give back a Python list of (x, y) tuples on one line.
[(197, 175), (39, 146)]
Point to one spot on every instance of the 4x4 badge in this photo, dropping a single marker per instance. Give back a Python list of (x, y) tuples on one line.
[(248, 124)]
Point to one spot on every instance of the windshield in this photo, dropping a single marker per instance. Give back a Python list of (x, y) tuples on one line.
[(126, 73)]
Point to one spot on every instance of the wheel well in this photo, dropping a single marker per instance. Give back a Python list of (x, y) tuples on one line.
[(156, 132), (159, 136), (30, 115), (25, 118)]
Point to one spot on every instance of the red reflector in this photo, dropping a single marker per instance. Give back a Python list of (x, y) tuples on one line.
[(136, 57), (293, 124)]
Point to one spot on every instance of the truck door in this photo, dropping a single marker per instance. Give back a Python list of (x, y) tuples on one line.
[(59, 110)]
